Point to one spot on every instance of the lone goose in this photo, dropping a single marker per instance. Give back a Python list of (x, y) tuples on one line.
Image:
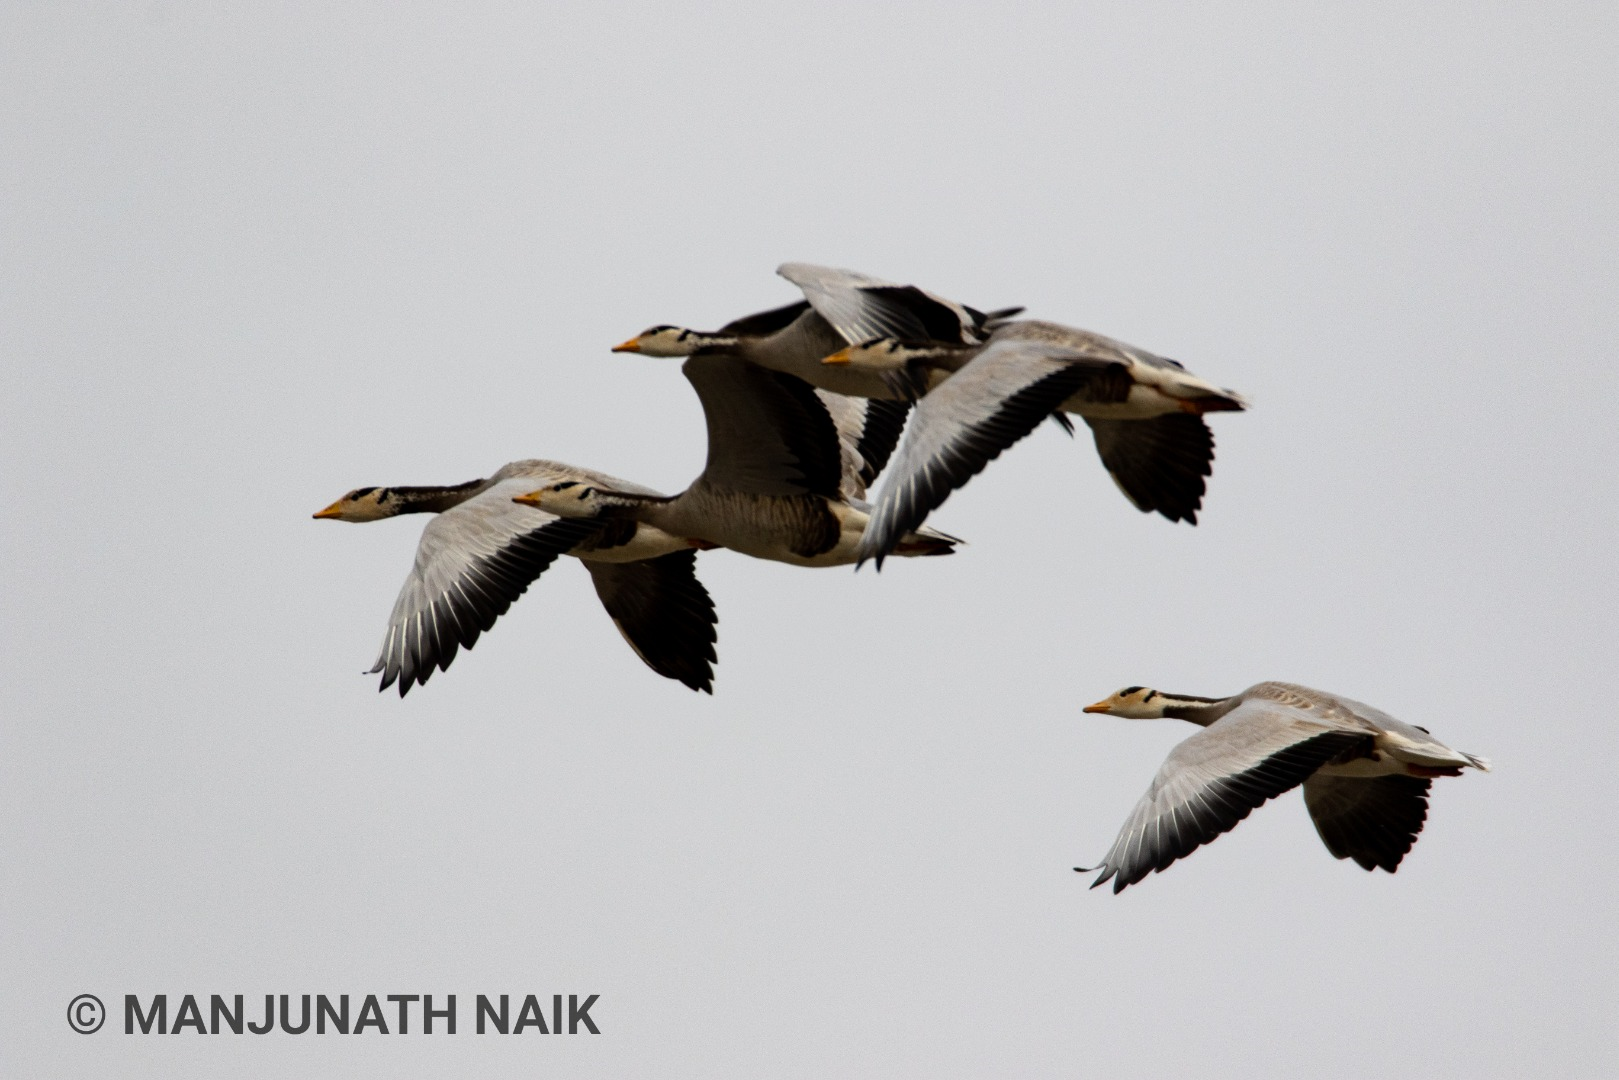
[(772, 486), (1365, 774), (1145, 412), (481, 552)]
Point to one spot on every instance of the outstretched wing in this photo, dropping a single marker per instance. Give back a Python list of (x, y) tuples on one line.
[(1215, 778), (768, 433), (1159, 464), (1374, 821), (766, 322), (996, 399), (868, 431), (664, 612), (473, 560), (861, 307)]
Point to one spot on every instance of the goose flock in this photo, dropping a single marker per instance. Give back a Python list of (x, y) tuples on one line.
[(806, 406)]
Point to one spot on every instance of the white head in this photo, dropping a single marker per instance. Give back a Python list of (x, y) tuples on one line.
[(1134, 703), (364, 504), (568, 499), (885, 354), (670, 341)]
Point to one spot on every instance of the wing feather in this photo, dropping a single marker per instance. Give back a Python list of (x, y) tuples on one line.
[(868, 431), (768, 432), (473, 560), (664, 613), (1160, 464), (861, 307), (1216, 778), (1374, 821), (996, 399)]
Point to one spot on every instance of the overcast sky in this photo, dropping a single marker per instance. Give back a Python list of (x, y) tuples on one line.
[(255, 258)]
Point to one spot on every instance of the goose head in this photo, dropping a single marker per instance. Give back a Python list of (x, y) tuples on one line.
[(667, 340), (885, 354), (1134, 703), (364, 504), (567, 499)]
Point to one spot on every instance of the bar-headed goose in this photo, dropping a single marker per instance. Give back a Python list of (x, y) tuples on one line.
[(482, 551), (840, 308), (772, 485), (1365, 774), (1145, 412)]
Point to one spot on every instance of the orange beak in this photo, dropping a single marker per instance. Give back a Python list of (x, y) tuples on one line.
[(334, 510), (839, 357), (632, 345), (532, 498), (1100, 706)]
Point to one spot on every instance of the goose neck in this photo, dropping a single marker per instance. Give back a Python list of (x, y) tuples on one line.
[(1201, 711), (435, 499)]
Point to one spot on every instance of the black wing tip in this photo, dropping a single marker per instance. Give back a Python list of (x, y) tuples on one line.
[(701, 682), (1108, 873)]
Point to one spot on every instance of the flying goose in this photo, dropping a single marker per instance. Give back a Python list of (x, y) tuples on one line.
[(1145, 412), (1365, 774), (773, 483), (840, 307), (482, 551)]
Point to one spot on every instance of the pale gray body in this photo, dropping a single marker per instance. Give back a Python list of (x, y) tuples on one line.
[(1365, 776)]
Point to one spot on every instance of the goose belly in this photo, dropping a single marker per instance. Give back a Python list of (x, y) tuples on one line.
[(1143, 403), (804, 530), (1154, 392), (1381, 763), (847, 380), (649, 542), (1393, 754)]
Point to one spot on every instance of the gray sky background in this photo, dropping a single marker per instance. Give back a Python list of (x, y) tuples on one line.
[(254, 258)]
